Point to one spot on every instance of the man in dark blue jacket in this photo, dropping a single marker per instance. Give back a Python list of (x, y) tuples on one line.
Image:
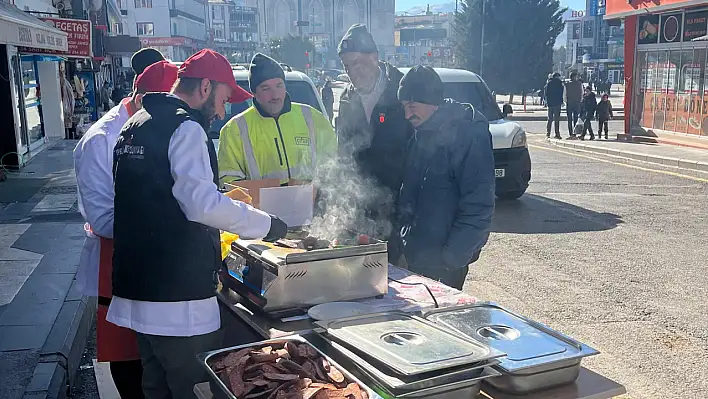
[(554, 100), (446, 201)]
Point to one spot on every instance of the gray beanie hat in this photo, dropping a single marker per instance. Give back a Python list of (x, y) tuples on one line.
[(263, 68), (421, 85), (357, 40)]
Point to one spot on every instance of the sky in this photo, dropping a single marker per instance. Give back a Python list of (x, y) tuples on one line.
[(403, 5)]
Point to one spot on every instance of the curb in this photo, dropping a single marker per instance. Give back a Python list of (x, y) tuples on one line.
[(655, 159)]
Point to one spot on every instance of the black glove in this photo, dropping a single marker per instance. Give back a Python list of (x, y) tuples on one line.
[(278, 230)]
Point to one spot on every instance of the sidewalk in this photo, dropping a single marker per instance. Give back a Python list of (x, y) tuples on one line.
[(538, 113), (44, 320), (664, 154)]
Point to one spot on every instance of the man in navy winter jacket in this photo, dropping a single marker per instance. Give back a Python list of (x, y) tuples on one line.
[(446, 202)]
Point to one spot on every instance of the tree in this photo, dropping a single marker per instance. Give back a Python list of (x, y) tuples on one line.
[(559, 56), (518, 41), (291, 50)]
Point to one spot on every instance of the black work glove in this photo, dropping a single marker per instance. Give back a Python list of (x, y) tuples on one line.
[(278, 230)]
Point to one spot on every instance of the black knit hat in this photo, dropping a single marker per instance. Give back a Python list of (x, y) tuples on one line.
[(262, 69), (421, 85), (143, 58), (357, 40)]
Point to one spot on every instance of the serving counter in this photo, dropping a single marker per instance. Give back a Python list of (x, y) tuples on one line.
[(407, 293)]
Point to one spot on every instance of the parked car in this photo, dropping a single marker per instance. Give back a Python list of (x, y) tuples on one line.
[(512, 163), (332, 73), (343, 77)]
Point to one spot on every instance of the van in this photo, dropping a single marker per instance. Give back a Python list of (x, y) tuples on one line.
[(512, 163)]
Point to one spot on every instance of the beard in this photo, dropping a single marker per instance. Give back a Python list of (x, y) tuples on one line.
[(209, 107)]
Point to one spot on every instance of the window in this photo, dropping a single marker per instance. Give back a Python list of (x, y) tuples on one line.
[(143, 3), (118, 28), (122, 4), (218, 33), (146, 29), (217, 12), (588, 29)]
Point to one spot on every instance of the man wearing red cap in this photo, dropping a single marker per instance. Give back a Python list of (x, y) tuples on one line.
[(168, 213), (93, 162)]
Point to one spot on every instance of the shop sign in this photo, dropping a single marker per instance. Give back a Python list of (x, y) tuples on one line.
[(601, 5), (165, 41), (245, 9), (648, 29), (695, 25), (671, 28), (593, 7), (574, 15), (79, 36)]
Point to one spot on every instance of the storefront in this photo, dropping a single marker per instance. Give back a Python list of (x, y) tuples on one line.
[(666, 59), (29, 94)]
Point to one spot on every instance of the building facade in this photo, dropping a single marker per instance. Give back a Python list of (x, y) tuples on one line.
[(233, 29), (178, 28), (666, 57), (424, 39)]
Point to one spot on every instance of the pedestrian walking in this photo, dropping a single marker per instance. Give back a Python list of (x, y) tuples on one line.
[(105, 94), (604, 114), (328, 98), (446, 202), (554, 100), (573, 98), (589, 107)]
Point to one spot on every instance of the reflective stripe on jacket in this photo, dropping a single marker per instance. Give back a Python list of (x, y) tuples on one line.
[(253, 146)]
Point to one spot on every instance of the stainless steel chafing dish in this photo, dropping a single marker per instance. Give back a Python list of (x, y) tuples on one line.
[(410, 358), (538, 357), (275, 278)]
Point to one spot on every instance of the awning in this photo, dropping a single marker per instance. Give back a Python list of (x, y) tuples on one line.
[(21, 29)]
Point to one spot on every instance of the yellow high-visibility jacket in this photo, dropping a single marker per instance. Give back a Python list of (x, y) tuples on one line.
[(253, 146)]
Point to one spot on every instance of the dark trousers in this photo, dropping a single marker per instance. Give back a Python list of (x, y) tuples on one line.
[(170, 366), (452, 278), (602, 123), (572, 111), (128, 377), (554, 115), (587, 127), (106, 108)]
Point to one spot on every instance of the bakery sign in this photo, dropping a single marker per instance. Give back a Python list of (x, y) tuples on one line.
[(78, 40), (33, 35), (165, 41)]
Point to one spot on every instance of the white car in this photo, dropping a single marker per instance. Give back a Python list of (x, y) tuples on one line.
[(512, 162)]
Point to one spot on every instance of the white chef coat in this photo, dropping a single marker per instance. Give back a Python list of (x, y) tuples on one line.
[(93, 164), (201, 202)]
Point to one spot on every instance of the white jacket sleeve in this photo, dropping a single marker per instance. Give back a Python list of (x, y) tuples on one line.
[(94, 178), (198, 196)]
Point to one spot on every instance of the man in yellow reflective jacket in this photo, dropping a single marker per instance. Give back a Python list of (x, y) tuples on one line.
[(274, 138)]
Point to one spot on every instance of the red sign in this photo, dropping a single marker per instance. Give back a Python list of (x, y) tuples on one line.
[(621, 8), (165, 41), (78, 40)]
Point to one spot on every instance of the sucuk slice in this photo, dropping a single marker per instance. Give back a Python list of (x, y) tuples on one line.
[(271, 369), (259, 357), (309, 367), (310, 392), (283, 353), (324, 385), (295, 368), (307, 351), (281, 377), (267, 349), (354, 390), (238, 386), (335, 375), (320, 371), (231, 359), (291, 347)]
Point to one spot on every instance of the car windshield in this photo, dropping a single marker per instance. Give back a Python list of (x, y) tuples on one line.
[(475, 93), (300, 92)]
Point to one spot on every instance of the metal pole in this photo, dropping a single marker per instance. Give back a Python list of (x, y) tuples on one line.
[(299, 18), (481, 44)]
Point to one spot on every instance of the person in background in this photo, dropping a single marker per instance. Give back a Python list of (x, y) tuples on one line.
[(604, 114), (93, 163), (328, 98), (105, 95), (371, 124), (573, 98), (446, 203), (554, 100), (68, 102), (117, 94), (167, 215), (275, 137), (589, 106)]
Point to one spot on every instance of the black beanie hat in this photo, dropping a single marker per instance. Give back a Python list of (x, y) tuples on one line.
[(421, 85), (357, 40), (143, 58), (262, 69)]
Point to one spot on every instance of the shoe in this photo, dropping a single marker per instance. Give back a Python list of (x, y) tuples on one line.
[(548, 136), (558, 137), (606, 138), (592, 138), (582, 138)]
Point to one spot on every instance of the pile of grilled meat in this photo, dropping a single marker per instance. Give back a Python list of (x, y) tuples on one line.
[(289, 370)]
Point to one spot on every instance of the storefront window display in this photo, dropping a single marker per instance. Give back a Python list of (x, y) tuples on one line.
[(32, 93)]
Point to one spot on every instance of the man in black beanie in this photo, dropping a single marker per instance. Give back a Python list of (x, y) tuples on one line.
[(446, 203), (274, 138), (371, 126), (142, 59)]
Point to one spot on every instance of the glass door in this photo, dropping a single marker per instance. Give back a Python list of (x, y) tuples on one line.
[(23, 147), (31, 92)]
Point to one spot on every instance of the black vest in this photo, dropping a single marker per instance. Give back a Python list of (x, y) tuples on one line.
[(159, 255)]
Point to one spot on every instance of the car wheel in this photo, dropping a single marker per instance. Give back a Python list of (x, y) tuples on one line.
[(510, 195)]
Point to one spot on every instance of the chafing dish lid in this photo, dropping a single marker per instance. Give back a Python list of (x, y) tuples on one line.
[(526, 342), (407, 344)]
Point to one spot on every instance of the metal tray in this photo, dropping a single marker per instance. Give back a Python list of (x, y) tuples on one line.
[(406, 344), (453, 384), (278, 255), (538, 357), (225, 392)]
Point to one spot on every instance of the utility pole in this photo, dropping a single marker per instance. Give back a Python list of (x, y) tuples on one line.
[(481, 44), (299, 18)]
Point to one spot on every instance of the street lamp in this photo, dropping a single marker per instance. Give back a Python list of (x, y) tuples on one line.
[(481, 44)]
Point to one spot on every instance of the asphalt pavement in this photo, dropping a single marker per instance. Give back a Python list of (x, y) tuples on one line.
[(612, 253)]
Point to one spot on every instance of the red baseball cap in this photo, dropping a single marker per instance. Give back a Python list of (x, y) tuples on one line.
[(158, 77), (208, 64)]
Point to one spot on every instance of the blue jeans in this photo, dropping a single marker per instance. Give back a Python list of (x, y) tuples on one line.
[(572, 111)]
